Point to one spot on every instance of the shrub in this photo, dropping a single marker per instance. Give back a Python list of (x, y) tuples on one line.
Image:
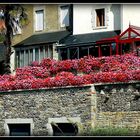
[(110, 131)]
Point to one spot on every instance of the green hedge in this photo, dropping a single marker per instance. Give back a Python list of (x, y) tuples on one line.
[(111, 131)]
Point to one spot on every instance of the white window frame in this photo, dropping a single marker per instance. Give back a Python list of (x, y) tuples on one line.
[(62, 120), (60, 15), (18, 121), (39, 8), (50, 54)]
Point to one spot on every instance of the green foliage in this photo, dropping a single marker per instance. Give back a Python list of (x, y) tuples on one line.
[(110, 131), (2, 38)]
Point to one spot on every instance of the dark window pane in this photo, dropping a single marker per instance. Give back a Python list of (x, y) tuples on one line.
[(83, 51), (19, 129), (100, 17), (74, 53), (64, 129), (93, 51), (63, 54), (36, 54)]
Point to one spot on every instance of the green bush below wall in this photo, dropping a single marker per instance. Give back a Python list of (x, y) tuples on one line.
[(111, 131)]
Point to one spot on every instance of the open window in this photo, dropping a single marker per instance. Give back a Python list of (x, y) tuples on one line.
[(64, 129), (100, 17), (63, 126)]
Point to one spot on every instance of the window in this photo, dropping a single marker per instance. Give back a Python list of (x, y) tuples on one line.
[(22, 58), (84, 51), (73, 53), (30, 56), (93, 51), (64, 15), (64, 129), (100, 17), (41, 53), (19, 129), (63, 126), (36, 54), (39, 20), (63, 54), (25, 57), (105, 50)]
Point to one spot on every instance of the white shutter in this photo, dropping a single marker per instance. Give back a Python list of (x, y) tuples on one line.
[(107, 16), (39, 20), (64, 16), (93, 18)]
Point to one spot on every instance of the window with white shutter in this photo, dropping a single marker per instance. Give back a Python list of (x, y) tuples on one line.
[(39, 20), (64, 16)]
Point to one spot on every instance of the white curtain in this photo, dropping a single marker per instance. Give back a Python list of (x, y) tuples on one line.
[(64, 16)]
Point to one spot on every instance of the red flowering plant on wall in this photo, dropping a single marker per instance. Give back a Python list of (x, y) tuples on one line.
[(31, 72), (52, 73), (5, 78), (88, 64)]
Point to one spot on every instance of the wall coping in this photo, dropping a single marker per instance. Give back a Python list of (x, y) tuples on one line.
[(66, 87)]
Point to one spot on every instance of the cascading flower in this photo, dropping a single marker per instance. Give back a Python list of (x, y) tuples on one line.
[(52, 73)]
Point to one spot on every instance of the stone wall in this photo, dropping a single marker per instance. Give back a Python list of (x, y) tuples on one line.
[(46, 103), (98, 105), (118, 105)]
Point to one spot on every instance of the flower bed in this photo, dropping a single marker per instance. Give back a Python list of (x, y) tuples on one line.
[(52, 73)]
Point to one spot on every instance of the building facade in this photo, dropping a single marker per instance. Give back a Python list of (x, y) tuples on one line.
[(47, 25), (95, 22), (68, 31)]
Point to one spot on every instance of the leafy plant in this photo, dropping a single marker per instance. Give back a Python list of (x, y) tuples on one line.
[(110, 131)]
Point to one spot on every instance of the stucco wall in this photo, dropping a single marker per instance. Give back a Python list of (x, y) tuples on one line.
[(51, 21), (130, 15), (82, 18), (26, 30)]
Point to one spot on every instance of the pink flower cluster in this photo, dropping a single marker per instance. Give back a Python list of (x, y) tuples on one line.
[(52, 73)]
